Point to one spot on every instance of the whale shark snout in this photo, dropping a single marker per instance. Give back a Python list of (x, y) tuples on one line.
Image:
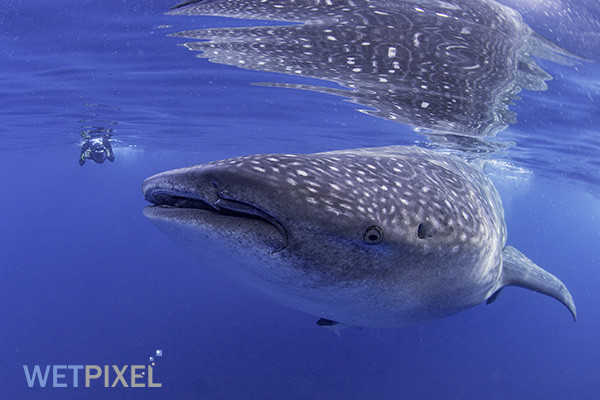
[(365, 237)]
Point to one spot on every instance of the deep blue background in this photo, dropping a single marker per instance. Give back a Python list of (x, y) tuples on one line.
[(85, 279)]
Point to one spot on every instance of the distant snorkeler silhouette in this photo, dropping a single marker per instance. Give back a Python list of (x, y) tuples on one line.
[(96, 147)]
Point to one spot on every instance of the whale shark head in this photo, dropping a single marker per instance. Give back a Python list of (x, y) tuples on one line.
[(368, 237)]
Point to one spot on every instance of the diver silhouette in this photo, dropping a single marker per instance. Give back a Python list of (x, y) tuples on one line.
[(96, 148)]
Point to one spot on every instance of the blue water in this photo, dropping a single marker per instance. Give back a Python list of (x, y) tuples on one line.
[(87, 280)]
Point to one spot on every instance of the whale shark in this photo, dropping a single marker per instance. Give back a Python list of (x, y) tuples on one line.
[(374, 237)]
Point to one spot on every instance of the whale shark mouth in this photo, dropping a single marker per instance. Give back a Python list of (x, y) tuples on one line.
[(166, 199)]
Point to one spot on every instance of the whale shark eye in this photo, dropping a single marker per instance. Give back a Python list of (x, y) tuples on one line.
[(373, 235), (425, 230)]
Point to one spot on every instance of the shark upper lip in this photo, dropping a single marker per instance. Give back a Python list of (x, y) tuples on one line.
[(222, 205), (166, 198)]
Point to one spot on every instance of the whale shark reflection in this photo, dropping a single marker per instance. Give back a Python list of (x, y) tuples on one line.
[(451, 67)]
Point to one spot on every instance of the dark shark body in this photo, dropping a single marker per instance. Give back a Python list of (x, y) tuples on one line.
[(367, 237)]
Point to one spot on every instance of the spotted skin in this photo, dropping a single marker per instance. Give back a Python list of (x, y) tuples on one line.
[(451, 67), (306, 245)]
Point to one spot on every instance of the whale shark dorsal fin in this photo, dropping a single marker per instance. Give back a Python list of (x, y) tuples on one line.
[(518, 270)]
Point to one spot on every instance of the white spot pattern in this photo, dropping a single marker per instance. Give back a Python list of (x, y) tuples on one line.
[(397, 191)]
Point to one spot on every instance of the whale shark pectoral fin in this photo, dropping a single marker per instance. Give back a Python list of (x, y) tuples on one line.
[(518, 270), (332, 325)]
